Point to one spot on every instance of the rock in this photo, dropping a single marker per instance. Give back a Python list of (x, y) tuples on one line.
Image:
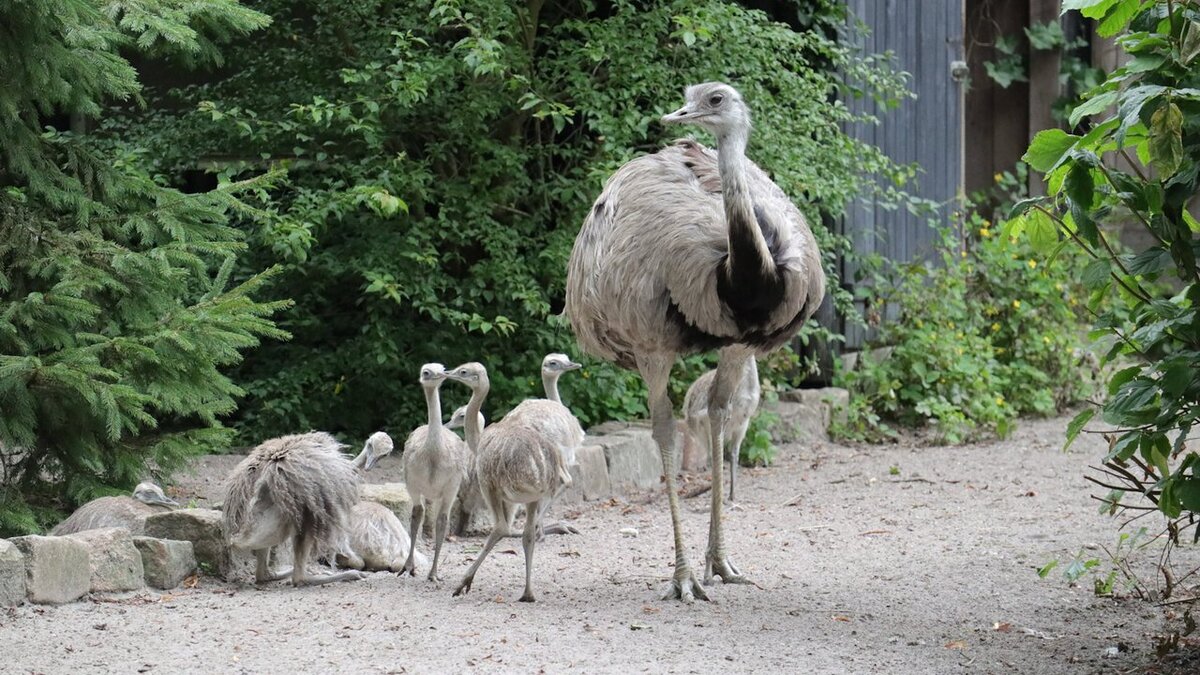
[(592, 478), (632, 459), (12, 574), (614, 426), (167, 562), (115, 563), (204, 529), (56, 568), (392, 495), (805, 414), (629, 532)]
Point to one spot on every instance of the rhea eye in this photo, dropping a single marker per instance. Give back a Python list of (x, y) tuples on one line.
[(715, 99)]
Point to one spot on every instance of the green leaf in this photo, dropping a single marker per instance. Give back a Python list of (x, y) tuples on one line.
[(1187, 491), (1151, 261), (1092, 9), (1121, 377), (1079, 186), (1118, 17), (1076, 425), (1048, 148), (1093, 106), (1166, 139), (1043, 233), (1190, 47), (1046, 569)]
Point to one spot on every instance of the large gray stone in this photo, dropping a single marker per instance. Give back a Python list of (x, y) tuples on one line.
[(392, 495), (167, 562), (632, 459), (12, 574), (203, 528), (115, 563), (805, 414), (591, 473), (56, 568)]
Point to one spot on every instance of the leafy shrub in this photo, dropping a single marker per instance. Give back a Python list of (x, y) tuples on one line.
[(118, 312), (983, 333), (1153, 403), (442, 154)]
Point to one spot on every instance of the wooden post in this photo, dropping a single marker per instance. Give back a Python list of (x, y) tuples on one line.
[(1044, 88)]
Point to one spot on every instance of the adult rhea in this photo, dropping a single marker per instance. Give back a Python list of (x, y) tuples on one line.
[(687, 250)]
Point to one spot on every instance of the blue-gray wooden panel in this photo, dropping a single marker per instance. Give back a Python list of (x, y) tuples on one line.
[(925, 38)]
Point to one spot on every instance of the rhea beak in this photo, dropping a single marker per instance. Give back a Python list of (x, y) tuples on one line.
[(162, 501), (679, 116), (371, 459), (574, 366)]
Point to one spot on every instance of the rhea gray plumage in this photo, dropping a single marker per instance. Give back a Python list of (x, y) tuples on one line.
[(435, 465), (127, 512), (297, 487), (374, 538), (742, 407), (522, 459), (688, 250)]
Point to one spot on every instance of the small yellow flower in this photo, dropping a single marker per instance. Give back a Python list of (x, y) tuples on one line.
[(1071, 302), (960, 351), (950, 325), (920, 323), (1046, 339), (999, 400), (995, 327), (960, 335), (1016, 304), (1032, 264), (997, 178), (963, 253), (985, 232), (1058, 287)]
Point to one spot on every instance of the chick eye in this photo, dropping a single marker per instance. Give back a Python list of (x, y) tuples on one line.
[(715, 99)]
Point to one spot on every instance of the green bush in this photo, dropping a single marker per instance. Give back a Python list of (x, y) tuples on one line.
[(983, 333), (442, 155), (1139, 168), (118, 314)]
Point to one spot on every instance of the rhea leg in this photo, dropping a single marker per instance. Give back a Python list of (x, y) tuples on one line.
[(301, 550), (416, 522), (729, 374), (656, 371), (533, 513), (501, 517), (262, 568), (735, 453), (439, 535)]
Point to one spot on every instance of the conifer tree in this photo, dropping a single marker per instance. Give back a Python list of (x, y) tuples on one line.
[(118, 304)]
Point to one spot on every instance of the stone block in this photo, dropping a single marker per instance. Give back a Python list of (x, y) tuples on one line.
[(392, 495), (12, 574), (56, 568), (115, 563), (202, 527), (805, 414), (167, 562), (632, 459), (592, 479)]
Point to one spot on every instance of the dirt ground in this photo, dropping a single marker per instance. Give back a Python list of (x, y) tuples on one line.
[(927, 568)]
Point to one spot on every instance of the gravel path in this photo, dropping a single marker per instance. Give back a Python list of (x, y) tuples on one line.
[(861, 570)]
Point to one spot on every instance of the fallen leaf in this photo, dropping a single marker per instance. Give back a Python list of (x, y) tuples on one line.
[(637, 626), (1002, 627), (651, 610), (955, 644), (839, 617), (192, 581), (863, 534)]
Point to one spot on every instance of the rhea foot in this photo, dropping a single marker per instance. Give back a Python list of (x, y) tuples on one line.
[(464, 587), (722, 566), (685, 587), (527, 596)]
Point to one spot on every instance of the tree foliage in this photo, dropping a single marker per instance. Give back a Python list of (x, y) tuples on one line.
[(1138, 165), (442, 154), (117, 310)]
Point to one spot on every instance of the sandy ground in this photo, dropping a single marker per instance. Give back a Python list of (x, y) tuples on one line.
[(860, 570)]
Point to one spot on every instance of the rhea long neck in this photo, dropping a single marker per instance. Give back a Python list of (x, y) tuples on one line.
[(433, 401), (360, 462), (471, 423), (550, 382), (747, 247)]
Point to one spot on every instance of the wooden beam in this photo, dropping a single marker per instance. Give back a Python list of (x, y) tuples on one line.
[(1044, 88)]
